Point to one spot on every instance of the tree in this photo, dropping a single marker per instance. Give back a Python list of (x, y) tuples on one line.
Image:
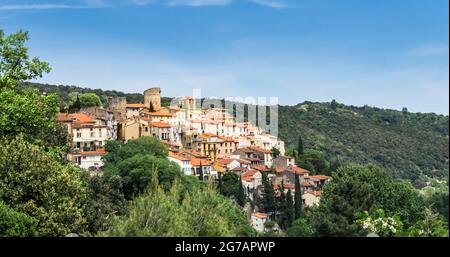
[(289, 208), (282, 209), (89, 100), (333, 105), (201, 212), (34, 183), (300, 228), (220, 186), (268, 199), (297, 198), (15, 64), (315, 161), (240, 196), (300, 149), (104, 200), (359, 188), (16, 224), (27, 113), (230, 184), (275, 152)]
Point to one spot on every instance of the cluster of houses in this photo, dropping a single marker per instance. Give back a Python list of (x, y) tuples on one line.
[(203, 142)]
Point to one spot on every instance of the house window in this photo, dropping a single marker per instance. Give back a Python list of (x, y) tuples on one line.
[(78, 133), (100, 133), (92, 133)]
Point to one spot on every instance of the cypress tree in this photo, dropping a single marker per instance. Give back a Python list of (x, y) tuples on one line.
[(297, 198), (289, 208), (220, 183), (281, 208), (300, 149), (201, 171), (240, 197), (268, 202)]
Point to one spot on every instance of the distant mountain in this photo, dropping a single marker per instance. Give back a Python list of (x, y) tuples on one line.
[(411, 146), (408, 145)]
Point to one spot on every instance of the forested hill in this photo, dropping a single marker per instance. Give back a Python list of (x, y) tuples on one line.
[(408, 145)]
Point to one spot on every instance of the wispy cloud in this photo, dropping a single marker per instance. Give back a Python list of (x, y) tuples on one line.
[(15, 7), (429, 49), (198, 3), (277, 4), (80, 4)]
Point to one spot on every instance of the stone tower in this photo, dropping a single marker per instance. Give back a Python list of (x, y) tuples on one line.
[(152, 98), (117, 104)]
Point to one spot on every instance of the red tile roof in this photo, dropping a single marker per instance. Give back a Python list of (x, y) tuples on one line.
[(198, 162), (298, 170), (139, 105), (99, 151), (160, 124), (320, 177), (178, 157), (260, 167), (160, 114), (260, 215)]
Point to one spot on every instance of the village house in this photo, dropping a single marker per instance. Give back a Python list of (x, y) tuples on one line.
[(134, 128), (90, 160), (318, 180), (311, 198), (86, 132), (201, 167), (134, 109), (251, 180), (259, 220), (183, 162)]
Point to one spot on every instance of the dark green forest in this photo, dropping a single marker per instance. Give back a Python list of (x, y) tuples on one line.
[(412, 146)]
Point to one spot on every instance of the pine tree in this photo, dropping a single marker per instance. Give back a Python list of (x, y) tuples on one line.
[(289, 208), (333, 105), (297, 198), (240, 197)]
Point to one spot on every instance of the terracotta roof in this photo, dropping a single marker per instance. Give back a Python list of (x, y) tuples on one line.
[(260, 150), (243, 161), (248, 175), (260, 167), (198, 162), (320, 177), (161, 114), (207, 135), (306, 184), (193, 153), (260, 215), (286, 186), (160, 125), (225, 161), (314, 192), (178, 157), (76, 117), (298, 170), (99, 151), (63, 117), (139, 105)]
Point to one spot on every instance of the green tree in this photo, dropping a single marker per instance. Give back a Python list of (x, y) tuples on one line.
[(297, 198), (16, 224), (240, 196), (89, 100), (300, 228), (268, 198), (333, 105), (34, 183), (315, 161), (201, 212), (289, 208), (300, 149), (275, 152), (358, 188), (15, 64), (104, 200)]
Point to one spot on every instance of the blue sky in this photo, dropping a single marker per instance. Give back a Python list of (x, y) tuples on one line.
[(385, 53)]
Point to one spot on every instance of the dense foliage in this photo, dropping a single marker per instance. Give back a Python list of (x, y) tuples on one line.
[(14, 223), (34, 183), (358, 188), (201, 212), (408, 145)]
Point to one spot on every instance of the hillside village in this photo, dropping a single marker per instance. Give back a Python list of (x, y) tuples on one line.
[(203, 142)]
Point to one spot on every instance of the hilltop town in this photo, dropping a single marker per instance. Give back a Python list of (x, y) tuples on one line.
[(204, 142)]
